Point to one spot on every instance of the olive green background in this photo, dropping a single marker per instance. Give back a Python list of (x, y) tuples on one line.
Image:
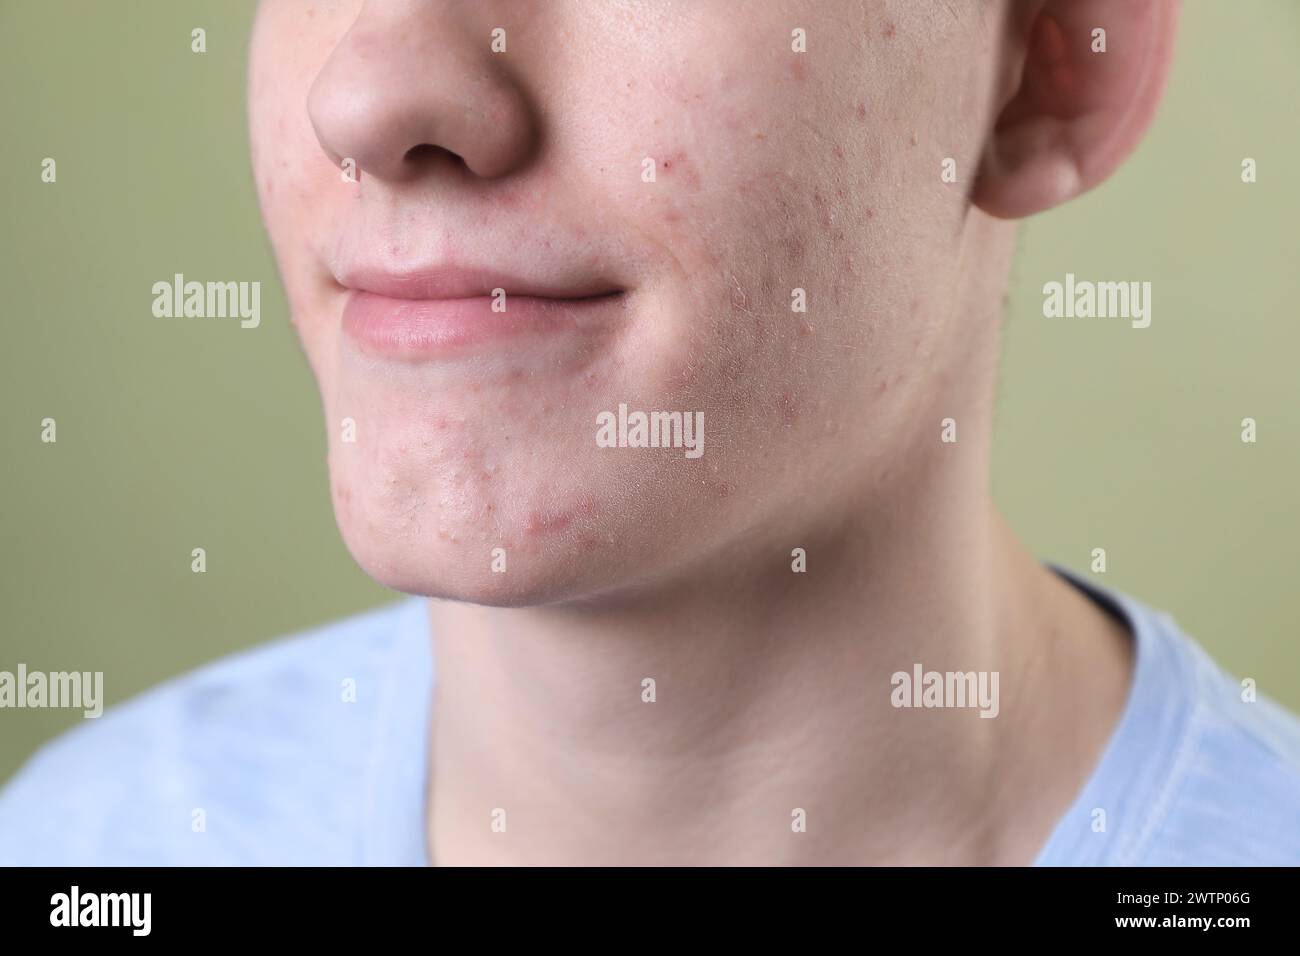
[(175, 435)]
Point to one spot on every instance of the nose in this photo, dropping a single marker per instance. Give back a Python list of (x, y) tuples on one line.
[(410, 82)]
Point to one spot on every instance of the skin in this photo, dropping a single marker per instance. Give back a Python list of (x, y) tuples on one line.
[(773, 171)]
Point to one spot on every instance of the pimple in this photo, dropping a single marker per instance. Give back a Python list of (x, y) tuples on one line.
[(889, 31), (546, 522), (798, 68), (678, 162), (862, 112)]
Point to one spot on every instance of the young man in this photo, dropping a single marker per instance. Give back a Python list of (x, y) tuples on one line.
[(657, 343)]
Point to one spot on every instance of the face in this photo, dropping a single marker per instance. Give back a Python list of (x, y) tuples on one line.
[(493, 241)]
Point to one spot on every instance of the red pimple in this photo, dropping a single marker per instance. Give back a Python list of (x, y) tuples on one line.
[(546, 522)]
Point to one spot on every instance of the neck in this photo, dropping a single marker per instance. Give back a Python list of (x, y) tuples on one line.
[(774, 696)]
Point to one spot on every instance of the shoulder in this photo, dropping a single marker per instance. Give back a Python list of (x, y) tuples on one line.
[(1233, 792), (218, 765)]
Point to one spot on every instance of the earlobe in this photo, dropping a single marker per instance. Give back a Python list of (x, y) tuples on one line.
[(1092, 76)]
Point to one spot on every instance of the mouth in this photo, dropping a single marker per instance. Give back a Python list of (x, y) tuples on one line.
[(445, 312)]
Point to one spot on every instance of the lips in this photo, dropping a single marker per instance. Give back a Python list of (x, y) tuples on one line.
[(442, 312)]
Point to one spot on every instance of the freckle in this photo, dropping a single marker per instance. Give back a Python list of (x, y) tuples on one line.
[(805, 329), (798, 68), (914, 139), (889, 31), (760, 135), (838, 152), (871, 214), (395, 249)]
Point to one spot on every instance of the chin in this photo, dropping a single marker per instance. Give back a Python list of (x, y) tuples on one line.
[(482, 554)]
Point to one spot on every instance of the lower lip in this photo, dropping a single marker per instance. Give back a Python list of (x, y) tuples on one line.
[(424, 328)]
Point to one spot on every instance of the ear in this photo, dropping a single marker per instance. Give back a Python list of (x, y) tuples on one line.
[(1070, 113)]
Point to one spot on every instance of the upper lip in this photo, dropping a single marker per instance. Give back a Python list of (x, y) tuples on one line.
[(467, 282)]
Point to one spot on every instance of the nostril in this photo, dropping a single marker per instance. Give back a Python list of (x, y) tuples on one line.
[(426, 153)]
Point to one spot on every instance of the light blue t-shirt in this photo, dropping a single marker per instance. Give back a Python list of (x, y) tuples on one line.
[(258, 759)]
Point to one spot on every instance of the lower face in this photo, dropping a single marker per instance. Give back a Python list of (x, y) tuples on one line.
[(782, 273)]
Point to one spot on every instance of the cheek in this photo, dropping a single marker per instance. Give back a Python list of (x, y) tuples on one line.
[(298, 187)]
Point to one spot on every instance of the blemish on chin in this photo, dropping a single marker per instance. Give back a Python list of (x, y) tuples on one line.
[(541, 523), (679, 164)]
